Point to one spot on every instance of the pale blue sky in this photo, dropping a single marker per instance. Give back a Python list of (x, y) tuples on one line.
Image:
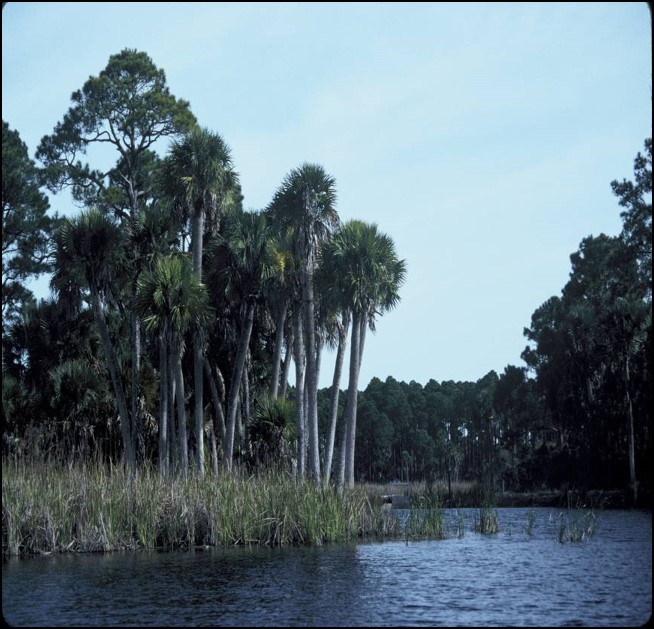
[(482, 137)]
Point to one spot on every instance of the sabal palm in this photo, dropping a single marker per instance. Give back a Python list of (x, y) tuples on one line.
[(306, 203), (198, 175), (367, 274), (90, 251), (247, 251), (171, 300)]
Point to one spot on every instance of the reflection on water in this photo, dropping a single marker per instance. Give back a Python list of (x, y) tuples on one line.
[(511, 578)]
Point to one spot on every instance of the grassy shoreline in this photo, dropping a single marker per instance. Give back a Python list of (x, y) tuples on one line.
[(49, 509), (94, 509)]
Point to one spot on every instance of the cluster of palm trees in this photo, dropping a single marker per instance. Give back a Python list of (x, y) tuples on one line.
[(291, 269)]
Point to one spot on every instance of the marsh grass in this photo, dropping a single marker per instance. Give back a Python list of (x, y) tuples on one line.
[(425, 519), (576, 525), (488, 522), (96, 509)]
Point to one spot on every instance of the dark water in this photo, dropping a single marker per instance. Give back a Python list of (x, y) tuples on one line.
[(510, 578)]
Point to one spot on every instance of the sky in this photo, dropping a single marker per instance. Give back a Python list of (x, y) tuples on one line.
[(482, 137)]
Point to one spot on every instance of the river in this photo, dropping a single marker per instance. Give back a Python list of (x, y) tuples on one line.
[(512, 578)]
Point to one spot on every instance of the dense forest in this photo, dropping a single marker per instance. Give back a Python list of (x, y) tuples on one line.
[(175, 316)]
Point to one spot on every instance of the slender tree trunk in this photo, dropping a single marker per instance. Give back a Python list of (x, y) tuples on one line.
[(632, 441), (352, 394), (247, 410), (299, 393), (173, 445), (311, 383), (198, 348), (218, 419), (163, 403), (288, 359), (335, 393), (114, 372), (181, 410), (196, 240), (198, 379), (232, 404), (218, 415), (340, 479), (135, 331), (279, 342)]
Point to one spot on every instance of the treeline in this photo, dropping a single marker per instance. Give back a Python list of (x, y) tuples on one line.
[(579, 412), (175, 317)]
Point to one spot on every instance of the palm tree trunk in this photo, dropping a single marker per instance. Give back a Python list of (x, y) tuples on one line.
[(198, 348), (340, 478), (218, 415), (163, 404), (311, 383), (632, 444), (286, 370), (335, 393), (279, 342), (218, 418), (232, 403), (119, 392), (198, 379), (181, 409), (299, 393), (135, 331), (173, 449), (352, 394), (288, 359)]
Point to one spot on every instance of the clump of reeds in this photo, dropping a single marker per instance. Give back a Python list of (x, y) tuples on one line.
[(425, 519), (488, 522), (576, 526), (531, 522), (94, 508)]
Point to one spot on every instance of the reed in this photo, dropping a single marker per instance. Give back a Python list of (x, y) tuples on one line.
[(531, 522), (97, 509), (576, 526)]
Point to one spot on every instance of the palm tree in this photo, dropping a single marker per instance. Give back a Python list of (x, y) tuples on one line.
[(247, 250), (368, 274), (305, 203), (199, 176), (171, 300), (89, 250)]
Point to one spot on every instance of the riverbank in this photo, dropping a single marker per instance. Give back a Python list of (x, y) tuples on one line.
[(49, 509)]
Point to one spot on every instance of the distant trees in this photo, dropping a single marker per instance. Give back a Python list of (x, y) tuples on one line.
[(590, 347)]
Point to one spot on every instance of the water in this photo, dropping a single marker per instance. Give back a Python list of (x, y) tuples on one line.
[(510, 578)]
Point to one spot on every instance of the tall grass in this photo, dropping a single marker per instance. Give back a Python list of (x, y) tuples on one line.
[(94, 508), (576, 525)]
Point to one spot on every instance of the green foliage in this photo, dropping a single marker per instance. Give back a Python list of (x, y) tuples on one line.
[(272, 433), (26, 226), (129, 106), (172, 295)]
